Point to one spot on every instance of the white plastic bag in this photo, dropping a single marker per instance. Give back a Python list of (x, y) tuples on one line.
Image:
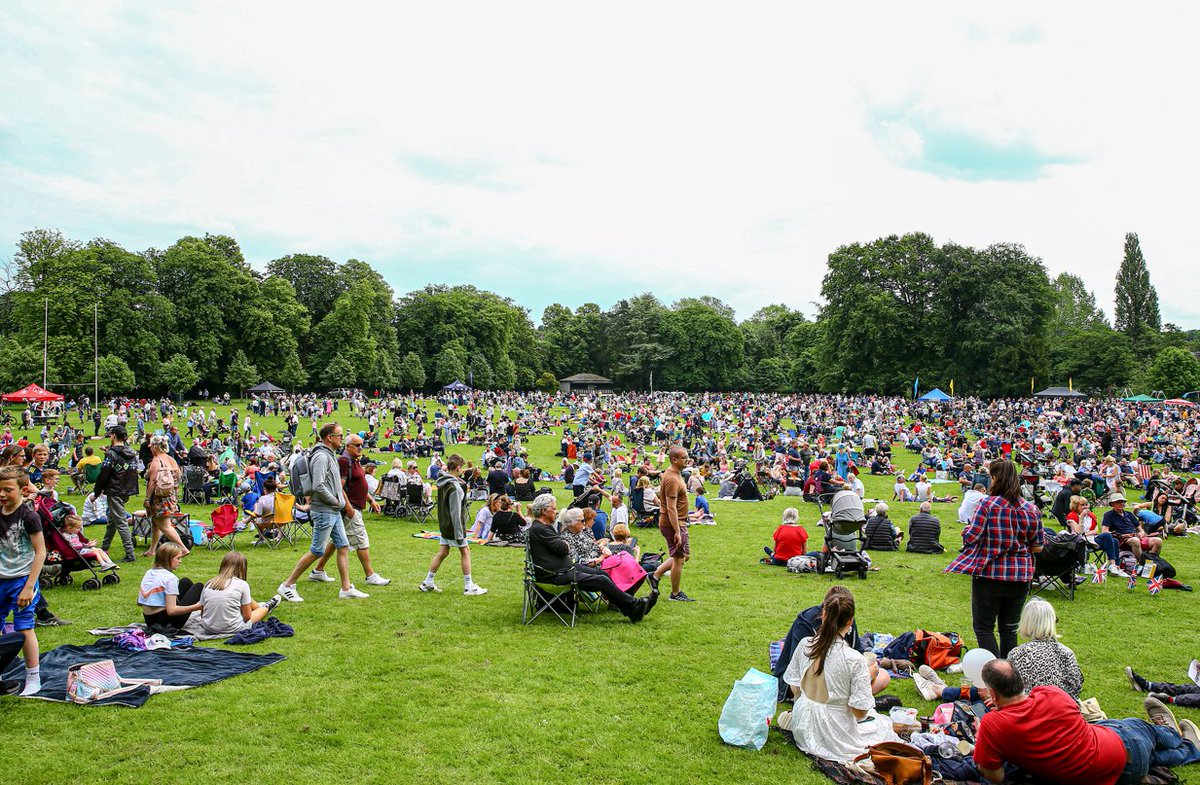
[(748, 710)]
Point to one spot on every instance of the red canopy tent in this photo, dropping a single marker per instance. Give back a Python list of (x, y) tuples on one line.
[(1178, 402), (32, 393)]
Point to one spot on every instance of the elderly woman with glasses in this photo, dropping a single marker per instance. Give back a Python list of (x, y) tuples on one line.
[(553, 562)]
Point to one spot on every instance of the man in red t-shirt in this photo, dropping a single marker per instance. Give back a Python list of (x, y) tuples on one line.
[(1044, 734), (354, 483)]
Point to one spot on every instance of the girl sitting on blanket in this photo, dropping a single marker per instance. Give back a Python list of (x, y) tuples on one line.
[(227, 606), (166, 600)]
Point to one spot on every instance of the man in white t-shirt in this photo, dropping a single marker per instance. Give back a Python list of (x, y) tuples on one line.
[(620, 513), (971, 499)]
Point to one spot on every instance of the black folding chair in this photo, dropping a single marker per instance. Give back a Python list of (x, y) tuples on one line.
[(1058, 565)]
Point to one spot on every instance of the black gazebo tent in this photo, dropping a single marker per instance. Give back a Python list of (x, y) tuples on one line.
[(456, 386), (266, 388), (1059, 392)]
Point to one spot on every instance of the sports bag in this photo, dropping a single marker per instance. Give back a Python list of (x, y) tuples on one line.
[(899, 764)]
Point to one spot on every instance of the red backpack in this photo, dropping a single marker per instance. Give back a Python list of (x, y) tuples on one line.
[(936, 649)]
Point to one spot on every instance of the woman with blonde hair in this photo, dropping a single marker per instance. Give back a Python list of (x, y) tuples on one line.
[(162, 495), (1042, 660), (228, 607)]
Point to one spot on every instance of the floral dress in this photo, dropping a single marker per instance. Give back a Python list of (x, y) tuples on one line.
[(162, 506)]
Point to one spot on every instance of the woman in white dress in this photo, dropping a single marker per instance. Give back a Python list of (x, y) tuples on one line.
[(834, 713)]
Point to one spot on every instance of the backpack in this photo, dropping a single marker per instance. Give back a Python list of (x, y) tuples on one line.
[(166, 481), (301, 480), (801, 564), (936, 649)]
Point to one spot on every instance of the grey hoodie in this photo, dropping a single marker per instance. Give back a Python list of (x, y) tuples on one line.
[(326, 479), (451, 507)]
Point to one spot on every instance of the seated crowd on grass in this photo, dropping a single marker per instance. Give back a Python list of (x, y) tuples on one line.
[(631, 461)]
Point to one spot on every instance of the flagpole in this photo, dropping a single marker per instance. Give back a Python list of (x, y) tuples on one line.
[(45, 340), (96, 350)]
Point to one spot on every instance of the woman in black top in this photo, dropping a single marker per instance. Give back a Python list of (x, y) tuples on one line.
[(508, 525)]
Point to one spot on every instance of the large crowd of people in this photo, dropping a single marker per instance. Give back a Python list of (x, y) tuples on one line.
[(1024, 474)]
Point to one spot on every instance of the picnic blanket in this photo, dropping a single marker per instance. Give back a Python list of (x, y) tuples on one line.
[(177, 668)]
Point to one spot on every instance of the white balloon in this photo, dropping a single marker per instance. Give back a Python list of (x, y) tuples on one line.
[(973, 662)]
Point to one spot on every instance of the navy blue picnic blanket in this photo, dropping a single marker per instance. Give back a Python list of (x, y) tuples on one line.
[(177, 667)]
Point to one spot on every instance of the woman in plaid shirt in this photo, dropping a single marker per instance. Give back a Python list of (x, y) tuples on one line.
[(998, 547)]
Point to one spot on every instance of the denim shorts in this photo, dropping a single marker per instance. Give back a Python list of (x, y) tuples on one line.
[(10, 591), (327, 524)]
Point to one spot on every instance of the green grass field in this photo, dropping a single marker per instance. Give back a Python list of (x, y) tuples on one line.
[(409, 687)]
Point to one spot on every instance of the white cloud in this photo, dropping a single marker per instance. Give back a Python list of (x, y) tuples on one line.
[(677, 147)]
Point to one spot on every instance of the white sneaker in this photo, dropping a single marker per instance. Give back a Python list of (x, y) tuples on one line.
[(1194, 672), (928, 683), (1113, 569), (375, 579), (289, 593), (320, 576), (427, 586), (474, 590), (352, 594)]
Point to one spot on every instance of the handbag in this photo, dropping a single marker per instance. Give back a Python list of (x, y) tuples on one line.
[(93, 681), (899, 764)]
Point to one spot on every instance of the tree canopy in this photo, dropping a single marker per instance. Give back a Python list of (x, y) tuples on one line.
[(895, 308)]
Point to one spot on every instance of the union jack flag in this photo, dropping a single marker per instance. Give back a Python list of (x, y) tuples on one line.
[(1100, 574), (1155, 585), (1132, 580)]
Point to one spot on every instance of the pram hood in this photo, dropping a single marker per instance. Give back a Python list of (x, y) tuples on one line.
[(846, 507)]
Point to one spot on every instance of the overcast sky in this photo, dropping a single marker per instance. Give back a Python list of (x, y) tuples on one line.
[(577, 152)]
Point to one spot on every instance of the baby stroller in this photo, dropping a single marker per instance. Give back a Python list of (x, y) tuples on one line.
[(60, 553), (844, 540), (391, 491)]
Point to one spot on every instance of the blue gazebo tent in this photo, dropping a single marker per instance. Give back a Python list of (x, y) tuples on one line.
[(934, 395), (456, 386)]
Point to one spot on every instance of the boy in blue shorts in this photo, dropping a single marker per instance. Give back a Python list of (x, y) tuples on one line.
[(22, 554)]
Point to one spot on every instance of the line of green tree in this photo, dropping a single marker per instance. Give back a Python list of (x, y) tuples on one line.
[(198, 315)]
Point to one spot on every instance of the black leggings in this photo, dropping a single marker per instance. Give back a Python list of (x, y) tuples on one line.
[(189, 594), (995, 602)]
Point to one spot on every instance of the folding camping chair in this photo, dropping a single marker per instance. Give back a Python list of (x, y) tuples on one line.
[(285, 516), (271, 530), (1056, 567), (415, 505), (227, 485), (194, 478), (542, 596), (222, 532)]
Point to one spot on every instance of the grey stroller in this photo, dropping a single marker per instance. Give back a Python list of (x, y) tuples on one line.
[(843, 551)]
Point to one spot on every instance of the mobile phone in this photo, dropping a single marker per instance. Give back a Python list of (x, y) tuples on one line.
[(866, 719), (978, 709)]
